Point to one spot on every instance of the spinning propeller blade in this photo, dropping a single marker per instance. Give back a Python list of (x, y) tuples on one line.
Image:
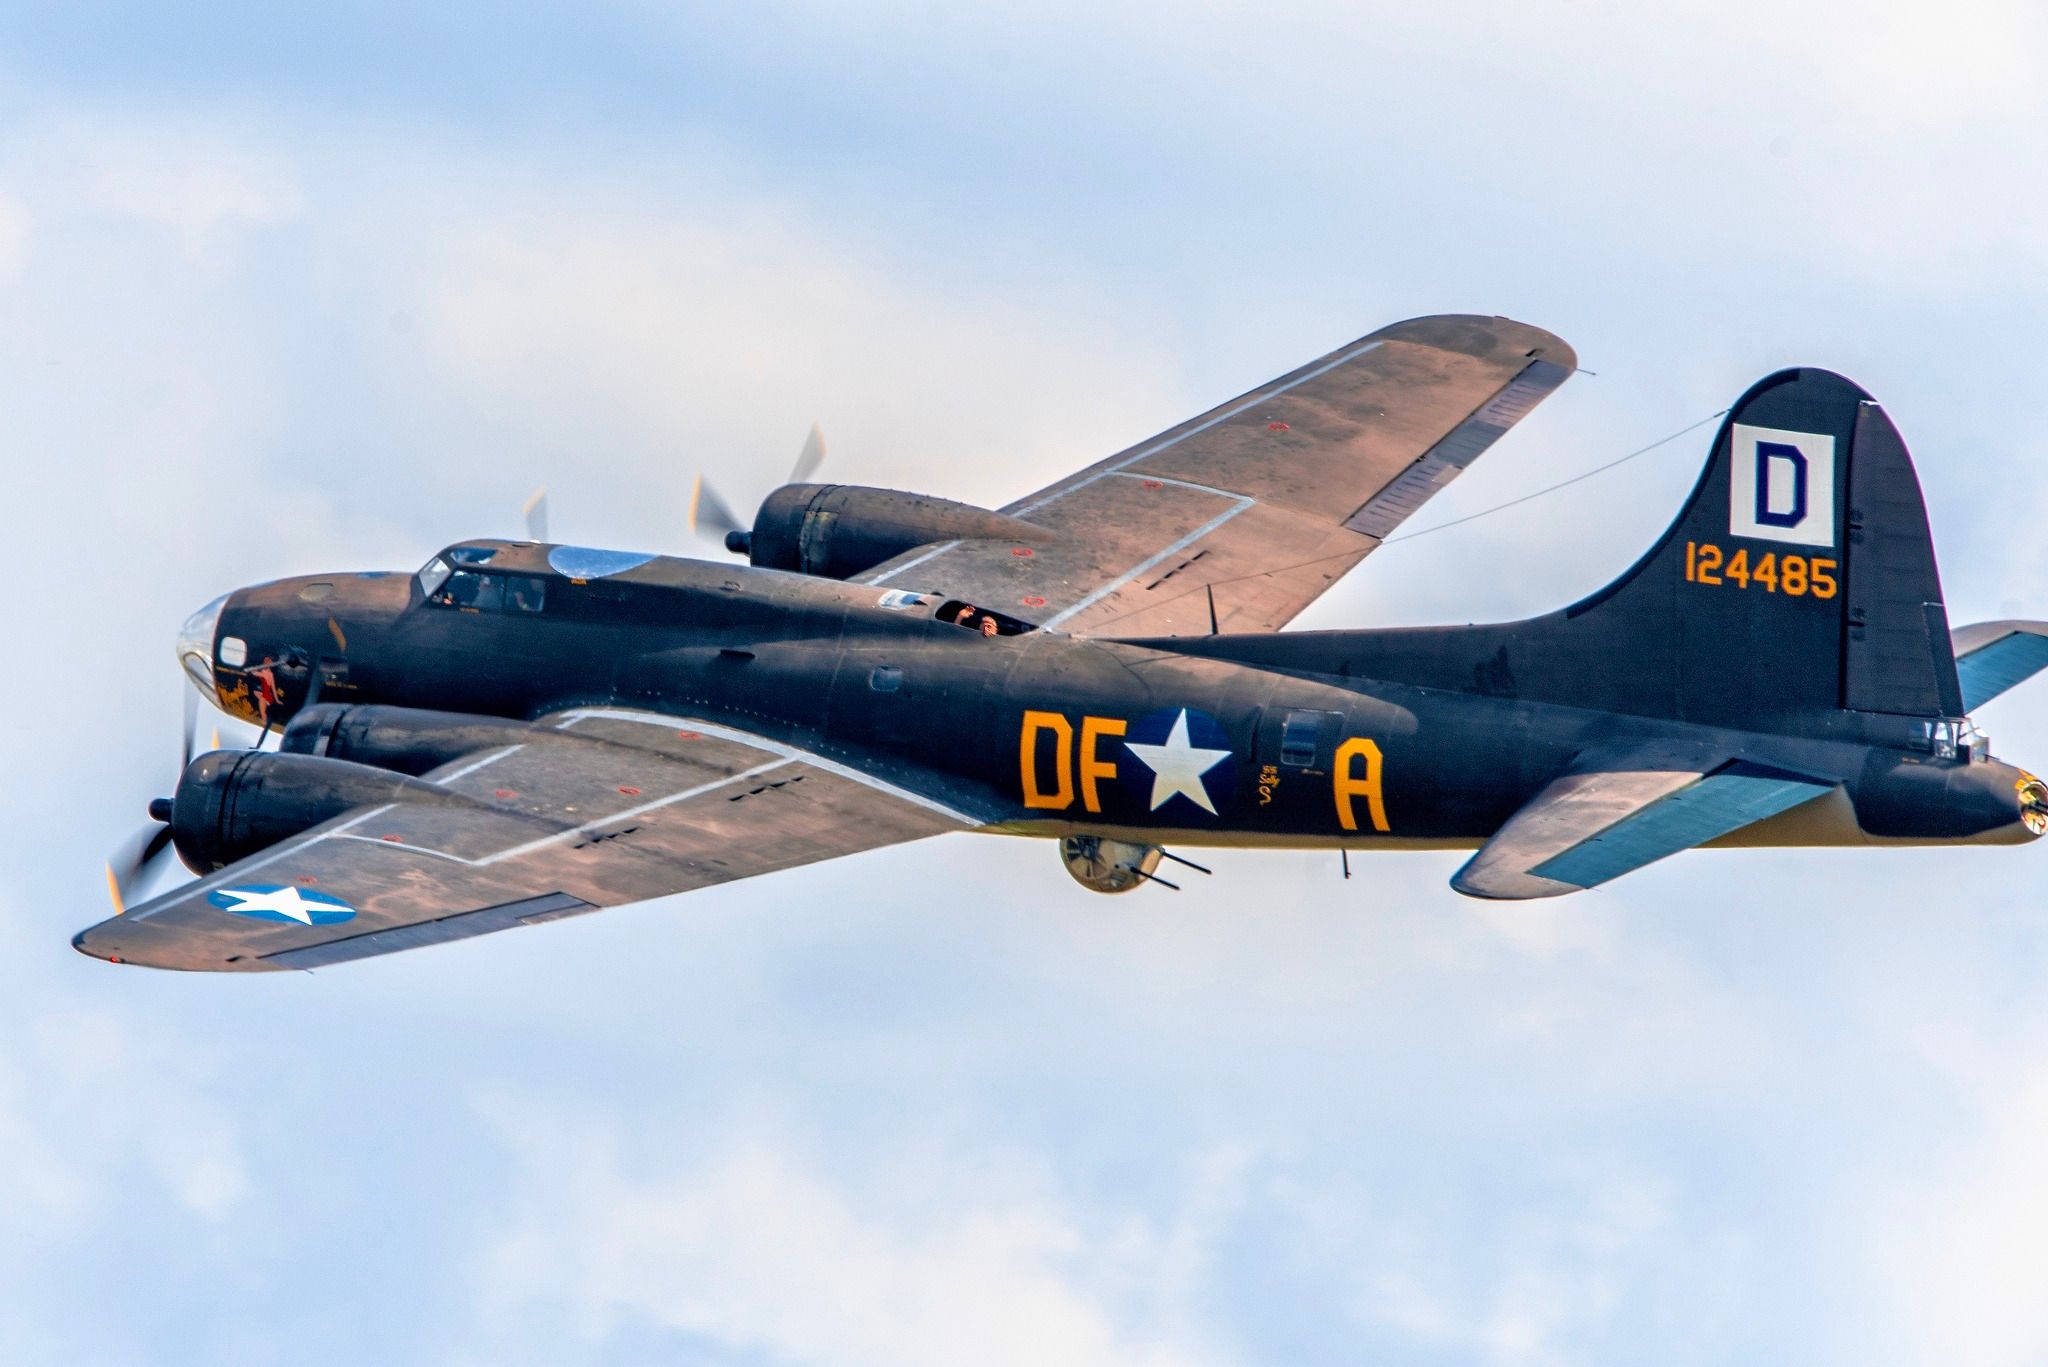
[(135, 858), (191, 725), (709, 513), (537, 515), (810, 458)]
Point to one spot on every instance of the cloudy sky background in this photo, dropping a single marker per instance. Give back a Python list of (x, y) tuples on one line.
[(281, 294)]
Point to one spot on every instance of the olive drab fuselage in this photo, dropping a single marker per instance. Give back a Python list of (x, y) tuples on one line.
[(1032, 733)]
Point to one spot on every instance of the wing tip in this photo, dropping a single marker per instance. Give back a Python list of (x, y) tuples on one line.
[(99, 942), (1506, 885), (1482, 335)]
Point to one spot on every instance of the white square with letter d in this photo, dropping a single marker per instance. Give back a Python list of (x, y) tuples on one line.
[(1781, 485)]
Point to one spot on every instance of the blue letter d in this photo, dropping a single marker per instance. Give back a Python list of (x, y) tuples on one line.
[(1766, 452)]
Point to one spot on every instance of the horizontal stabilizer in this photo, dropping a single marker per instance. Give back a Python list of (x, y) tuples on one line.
[(1590, 827), (1994, 656)]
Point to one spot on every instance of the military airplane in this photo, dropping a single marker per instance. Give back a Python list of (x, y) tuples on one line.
[(522, 732)]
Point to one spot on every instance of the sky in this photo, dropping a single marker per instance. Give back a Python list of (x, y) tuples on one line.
[(290, 289)]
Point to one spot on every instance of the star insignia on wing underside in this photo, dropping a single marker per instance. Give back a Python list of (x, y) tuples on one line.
[(285, 903), (1178, 766)]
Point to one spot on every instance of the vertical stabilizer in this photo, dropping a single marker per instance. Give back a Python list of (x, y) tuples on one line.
[(1797, 583), (1801, 575)]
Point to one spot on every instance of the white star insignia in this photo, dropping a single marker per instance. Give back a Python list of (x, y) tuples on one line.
[(285, 902), (1177, 767)]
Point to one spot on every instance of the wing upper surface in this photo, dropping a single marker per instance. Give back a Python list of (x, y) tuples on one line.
[(600, 808), (1249, 511)]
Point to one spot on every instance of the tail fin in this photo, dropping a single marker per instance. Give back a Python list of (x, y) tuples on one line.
[(1800, 578), (1798, 582)]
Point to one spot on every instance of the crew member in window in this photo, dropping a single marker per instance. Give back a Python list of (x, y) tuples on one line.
[(988, 625), (525, 595)]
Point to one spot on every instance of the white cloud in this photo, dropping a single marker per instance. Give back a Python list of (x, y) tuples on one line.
[(100, 1120), (755, 1250), (190, 179), (1558, 1283), (1956, 1237), (664, 338)]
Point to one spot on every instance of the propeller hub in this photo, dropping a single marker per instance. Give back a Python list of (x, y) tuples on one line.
[(739, 543), (160, 810)]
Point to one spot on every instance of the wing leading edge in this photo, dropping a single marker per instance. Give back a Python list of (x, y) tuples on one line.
[(1238, 519)]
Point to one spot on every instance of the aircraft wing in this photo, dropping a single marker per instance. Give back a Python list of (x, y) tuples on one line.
[(1264, 502), (598, 808), (1994, 656), (1610, 818)]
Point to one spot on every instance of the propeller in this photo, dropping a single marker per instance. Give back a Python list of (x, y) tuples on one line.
[(136, 858), (537, 515), (710, 513), (810, 458)]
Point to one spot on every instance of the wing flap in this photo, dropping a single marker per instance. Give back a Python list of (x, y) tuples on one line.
[(1590, 827), (526, 912)]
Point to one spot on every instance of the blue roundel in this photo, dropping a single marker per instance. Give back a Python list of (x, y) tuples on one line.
[(282, 902), (1185, 762)]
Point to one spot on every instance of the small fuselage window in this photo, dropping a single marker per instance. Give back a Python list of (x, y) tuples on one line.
[(1300, 738)]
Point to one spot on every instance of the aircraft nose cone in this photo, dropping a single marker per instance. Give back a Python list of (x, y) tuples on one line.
[(195, 646)]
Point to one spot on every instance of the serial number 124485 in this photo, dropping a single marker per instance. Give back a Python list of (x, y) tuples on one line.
[(1797, 575)]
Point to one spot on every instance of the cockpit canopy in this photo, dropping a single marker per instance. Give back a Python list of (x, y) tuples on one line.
[(443, 585), (459, 578)]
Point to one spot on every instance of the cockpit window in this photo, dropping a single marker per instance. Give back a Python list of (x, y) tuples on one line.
[(432, 575), (487, 592), (477, 592), (523, 593)]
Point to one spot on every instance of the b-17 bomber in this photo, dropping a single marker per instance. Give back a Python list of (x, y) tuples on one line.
[(523, 732)]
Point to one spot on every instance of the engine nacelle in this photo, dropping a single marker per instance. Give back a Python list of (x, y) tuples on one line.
[(408, 740), (1100, 864), (836, 531), (232, 803)]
